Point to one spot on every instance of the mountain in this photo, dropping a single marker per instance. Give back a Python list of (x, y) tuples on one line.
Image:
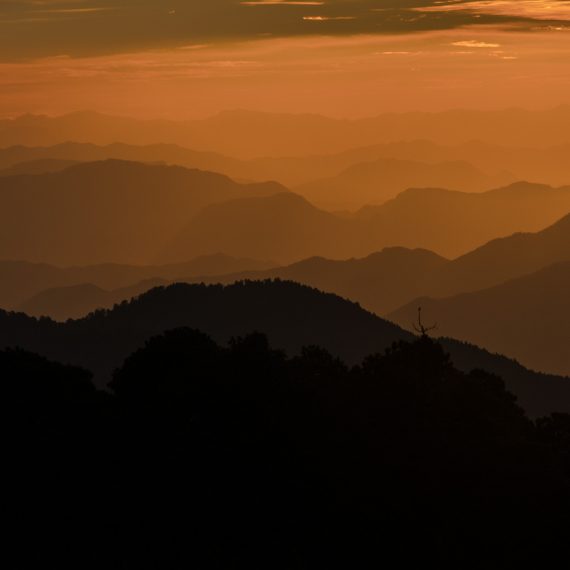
[(39, 166), (110, 211), (380, 282), (538, 164), (291, 315), (247, 134), (503, 164), (381, 180), (525, 318), (386, 280), (20, 280), (77, 301), (287, 228), (284, 227), (453, 223), (107, 211), (291, 171), (501, 260), (20, 158)]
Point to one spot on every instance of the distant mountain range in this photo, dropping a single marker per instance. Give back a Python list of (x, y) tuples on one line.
[(537, 164), (31, 160), (381, 180), (374, 169), (509, 296), (514, 301), (287, 228), (133, 213), (76, 301), (343, 180), (452, 223), (38, 166), (291, 315), (24, 284), (284, 227), (501, 260), (115, 211), (247, 134), (548, 165), (382, 282)]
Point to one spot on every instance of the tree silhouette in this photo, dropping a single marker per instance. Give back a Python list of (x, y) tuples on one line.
[(419, 326), (221, 456)]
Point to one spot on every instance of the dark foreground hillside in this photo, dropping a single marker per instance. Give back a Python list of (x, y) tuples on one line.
[(239, 457), (291, 315)]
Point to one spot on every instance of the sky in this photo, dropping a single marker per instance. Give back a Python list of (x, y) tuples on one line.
[(343, 58)]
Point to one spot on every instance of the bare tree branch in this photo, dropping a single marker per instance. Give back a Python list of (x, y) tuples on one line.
[(420, 328)]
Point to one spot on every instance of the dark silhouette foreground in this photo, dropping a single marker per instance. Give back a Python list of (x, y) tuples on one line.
[(291, 315), (211, 457)]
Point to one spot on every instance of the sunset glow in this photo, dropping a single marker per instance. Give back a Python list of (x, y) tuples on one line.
[(340, 76), (284, 284), (62, 56)]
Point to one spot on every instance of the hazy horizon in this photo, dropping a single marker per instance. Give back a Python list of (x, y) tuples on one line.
[(245, 110)]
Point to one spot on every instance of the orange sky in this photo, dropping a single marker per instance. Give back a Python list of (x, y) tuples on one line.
[(490, 65)]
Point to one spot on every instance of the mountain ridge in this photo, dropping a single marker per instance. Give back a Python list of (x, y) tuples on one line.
[(290, 314), (279, 133), (114, 210)]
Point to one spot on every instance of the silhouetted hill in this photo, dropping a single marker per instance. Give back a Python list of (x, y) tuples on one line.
[(287, 228), (40, 166), (34, 381), (383, 279), (538, 164), (284, 227), (77, 301), (248, 134), (526, 318), (547, 165), (291, 315), (452, 223), (380, 282), (20, 280), (17, 157), (106, 211), (381, 180), (500, 260)]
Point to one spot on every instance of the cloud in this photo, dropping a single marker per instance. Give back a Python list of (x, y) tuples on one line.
[(35, 28), (327, 18), (280, 3), (531, 9), (475, 44), (334, 75)]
